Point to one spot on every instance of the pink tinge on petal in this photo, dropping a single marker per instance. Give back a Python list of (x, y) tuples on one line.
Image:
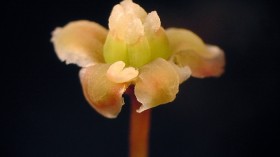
[(189, 50), (214, 66), (158, 83), (184, 73), (102, 94), (201, 67), (80, 42)]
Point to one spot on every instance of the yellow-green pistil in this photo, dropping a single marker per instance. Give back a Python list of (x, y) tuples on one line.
[(148, 47)]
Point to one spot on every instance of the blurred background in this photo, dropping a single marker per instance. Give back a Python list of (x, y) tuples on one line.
[(43, 112)]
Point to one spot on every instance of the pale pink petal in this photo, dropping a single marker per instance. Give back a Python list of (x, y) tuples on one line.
[(118, 73), (189, 50), (183, 72), (157, 84), (80, 42), (103, 95)]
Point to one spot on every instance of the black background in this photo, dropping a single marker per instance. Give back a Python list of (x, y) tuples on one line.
[(43, 112)]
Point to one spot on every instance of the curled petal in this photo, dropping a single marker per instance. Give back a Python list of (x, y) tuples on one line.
[(183, 72), (80, 42), (157, 84), (119, 74), (189, 50), (103, 95)]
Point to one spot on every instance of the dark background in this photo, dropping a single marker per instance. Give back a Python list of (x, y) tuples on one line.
[(43, 112)]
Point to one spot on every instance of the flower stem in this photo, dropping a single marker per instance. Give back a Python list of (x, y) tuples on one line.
[(139, 129)]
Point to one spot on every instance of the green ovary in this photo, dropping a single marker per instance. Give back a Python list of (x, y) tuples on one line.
[(146, 49)]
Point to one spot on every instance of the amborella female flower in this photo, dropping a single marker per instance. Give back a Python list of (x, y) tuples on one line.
[(136, 51)]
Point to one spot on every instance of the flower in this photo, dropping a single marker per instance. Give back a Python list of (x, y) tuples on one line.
[(137, 51)]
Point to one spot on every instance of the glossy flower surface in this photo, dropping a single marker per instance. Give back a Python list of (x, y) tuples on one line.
[(137, 51)]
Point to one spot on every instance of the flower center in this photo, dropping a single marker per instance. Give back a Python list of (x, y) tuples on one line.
[(143, 51), (135, 37)]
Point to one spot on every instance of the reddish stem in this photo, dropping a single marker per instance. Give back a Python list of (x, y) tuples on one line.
[(139, 128)]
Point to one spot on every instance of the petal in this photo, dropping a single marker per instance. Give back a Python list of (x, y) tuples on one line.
[(189, 50), (157, 84), (103, 95), (80, 42), (118, 73), (183, 72)]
